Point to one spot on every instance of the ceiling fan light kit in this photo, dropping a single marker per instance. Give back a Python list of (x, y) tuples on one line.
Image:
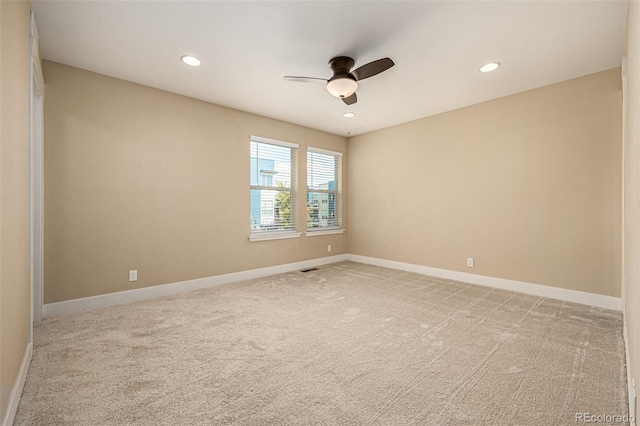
[(342, 87), (344, 83)]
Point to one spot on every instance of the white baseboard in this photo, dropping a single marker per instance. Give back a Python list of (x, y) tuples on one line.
[(16, 392), (88, 303), (591, 299), (122, 297)]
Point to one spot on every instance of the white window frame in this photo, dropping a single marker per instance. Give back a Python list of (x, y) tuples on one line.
[(313, 232), (278, 235)]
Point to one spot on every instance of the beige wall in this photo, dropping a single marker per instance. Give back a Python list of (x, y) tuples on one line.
[(14, 193), (632, 190), (138, 178), (529, 185)]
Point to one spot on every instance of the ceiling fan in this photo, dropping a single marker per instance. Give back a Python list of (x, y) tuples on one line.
[(344, 82)]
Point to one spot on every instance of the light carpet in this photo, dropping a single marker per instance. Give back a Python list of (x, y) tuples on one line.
[(348, 344)]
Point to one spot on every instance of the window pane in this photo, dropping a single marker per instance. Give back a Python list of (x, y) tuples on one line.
[(271, 210), (321, 171), (321, 210), (273, 166), (270, 165)]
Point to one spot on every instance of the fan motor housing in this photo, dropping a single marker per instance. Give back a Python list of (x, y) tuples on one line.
[(341, 65)]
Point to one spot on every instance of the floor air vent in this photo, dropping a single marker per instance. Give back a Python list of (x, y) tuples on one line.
[(309, 270)]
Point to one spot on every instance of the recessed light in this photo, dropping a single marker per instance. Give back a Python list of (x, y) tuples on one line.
[(190, 60), (348, 115), (491, 66)]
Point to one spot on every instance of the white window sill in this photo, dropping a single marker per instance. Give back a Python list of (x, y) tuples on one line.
[(325, 232), (265, 236)]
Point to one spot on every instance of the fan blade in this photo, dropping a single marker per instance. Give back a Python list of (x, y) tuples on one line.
[(350, 100), (372, 68), (304, 79)]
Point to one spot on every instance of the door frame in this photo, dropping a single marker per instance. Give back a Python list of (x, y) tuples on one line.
[(36, 201)]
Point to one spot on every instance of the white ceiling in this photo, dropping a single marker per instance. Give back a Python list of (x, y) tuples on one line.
[(247, 47)]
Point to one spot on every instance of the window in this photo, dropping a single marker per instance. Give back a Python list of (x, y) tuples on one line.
[(273, 186), (324, 187), (266, 177), (266, 208)]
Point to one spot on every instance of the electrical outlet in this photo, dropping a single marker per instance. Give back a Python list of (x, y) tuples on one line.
[(329, 247), (133, 275), (470, 262)]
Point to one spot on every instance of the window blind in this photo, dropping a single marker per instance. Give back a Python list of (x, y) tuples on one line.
[(273, 185), (324, 189)]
